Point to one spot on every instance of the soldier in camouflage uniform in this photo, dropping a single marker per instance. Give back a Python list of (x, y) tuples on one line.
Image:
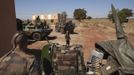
[(69, 27), (67, 37), (19, 61)]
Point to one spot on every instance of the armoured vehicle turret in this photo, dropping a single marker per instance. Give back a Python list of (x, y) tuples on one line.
[(118, 54), (62, 26), (37, 30)]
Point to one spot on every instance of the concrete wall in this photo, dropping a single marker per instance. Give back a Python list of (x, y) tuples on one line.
[(7, 25)]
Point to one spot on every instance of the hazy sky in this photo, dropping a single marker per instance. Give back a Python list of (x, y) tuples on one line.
[(95, 8)]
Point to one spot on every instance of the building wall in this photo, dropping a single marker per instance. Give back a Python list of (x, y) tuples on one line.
[(7, 25), (48, 17)]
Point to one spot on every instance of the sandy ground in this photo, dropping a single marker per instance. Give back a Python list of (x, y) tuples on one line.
[(86, 36)]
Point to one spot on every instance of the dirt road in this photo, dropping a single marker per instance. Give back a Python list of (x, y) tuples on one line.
[(84, 36)]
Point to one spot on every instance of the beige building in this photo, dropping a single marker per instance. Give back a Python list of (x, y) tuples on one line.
[(50, 18), (7, 25)]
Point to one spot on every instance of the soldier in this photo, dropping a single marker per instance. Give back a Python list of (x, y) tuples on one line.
[(45, 25), (67, 37), (19, 61), (38, 21), (69, 27)]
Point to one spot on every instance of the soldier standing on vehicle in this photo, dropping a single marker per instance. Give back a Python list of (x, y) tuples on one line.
[(37, 21), (45, 25), (67, 37)]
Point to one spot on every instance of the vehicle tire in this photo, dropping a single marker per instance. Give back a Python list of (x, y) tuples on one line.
[(36, 36)]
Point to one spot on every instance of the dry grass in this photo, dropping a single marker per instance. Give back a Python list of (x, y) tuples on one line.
[(105, 24), (129, 27)]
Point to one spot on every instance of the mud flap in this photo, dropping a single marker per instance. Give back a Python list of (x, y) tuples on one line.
[(110, 67)]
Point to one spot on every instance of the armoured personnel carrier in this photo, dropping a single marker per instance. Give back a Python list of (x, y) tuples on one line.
[(38, 30), (62, 26), (118, 54)]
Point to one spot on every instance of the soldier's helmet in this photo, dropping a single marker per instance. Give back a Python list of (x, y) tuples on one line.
[(19, 38)]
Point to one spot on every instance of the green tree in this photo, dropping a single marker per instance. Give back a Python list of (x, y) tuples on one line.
[(80, 14), (128, 12), (89, 17), (123, 15)]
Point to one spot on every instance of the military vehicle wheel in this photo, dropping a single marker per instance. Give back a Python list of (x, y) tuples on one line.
[(36, 36)]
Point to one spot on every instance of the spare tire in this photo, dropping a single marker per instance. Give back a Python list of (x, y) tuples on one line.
[(36, 36)]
